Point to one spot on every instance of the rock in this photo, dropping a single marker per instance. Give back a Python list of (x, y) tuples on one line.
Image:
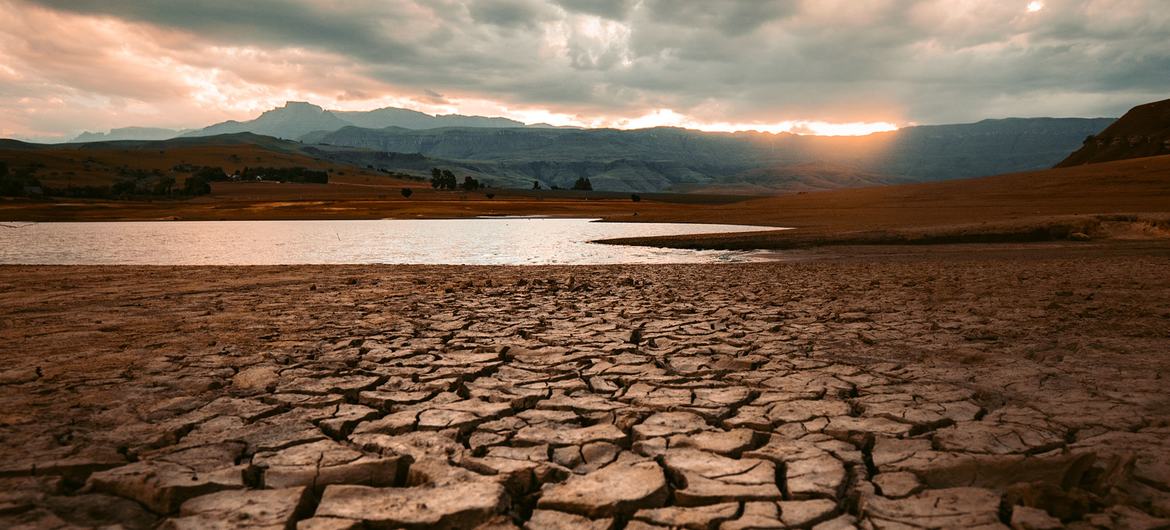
[(697, 518), (95, 510), (619, 488), (553, 520), (809, 471), (897, 485), (726, 443), (580, 403), (326, 462), (706, 478), (328, 523), (945, 508), (784, 514), (843, 522), (1128, 517), (75, 467), (805, 513), (561, 435), (248, 409), (255, 378), (1079, 236), (260, 509), (343, 420), (162, 482), (1010, 430), (1028, 518), (668, 424), (940, 469), (916, 410), (459, 505), (462, 415), (396, 423)]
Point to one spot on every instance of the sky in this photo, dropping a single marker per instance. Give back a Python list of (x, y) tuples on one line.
[(806, 66)]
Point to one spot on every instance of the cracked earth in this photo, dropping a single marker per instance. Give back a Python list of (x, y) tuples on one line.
[(910, 390)]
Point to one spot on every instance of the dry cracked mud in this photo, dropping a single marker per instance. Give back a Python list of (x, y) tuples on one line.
[(907, 389)]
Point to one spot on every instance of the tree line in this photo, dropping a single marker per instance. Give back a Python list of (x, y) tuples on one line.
[(444, 179)]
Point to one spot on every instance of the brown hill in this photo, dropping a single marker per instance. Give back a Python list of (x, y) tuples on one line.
[(1143, 131), (1031, 206), (103, 163)]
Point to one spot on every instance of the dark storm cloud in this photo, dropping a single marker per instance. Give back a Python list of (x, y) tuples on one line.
[(611, 9), (925, 61)]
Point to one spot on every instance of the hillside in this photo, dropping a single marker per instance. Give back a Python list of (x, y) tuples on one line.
[(1143, 131), (104, 163), (663, 158), (1123, 199)]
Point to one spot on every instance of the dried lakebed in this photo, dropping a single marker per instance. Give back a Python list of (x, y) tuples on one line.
[(920, 391)]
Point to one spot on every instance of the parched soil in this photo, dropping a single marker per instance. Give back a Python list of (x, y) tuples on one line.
[(979, 387)]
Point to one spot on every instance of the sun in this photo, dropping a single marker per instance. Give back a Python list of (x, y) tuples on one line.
[(1035, 6)]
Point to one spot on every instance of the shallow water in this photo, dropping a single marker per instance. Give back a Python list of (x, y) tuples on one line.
[(498, 241)]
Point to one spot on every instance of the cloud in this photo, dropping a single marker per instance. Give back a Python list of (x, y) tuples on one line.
[(127, 62)]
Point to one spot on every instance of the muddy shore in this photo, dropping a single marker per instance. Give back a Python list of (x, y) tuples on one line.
[(977, 386)]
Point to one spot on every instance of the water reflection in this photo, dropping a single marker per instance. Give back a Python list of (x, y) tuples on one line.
[(508, 241)]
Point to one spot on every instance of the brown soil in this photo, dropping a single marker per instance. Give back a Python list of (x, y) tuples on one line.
[(954, 387)]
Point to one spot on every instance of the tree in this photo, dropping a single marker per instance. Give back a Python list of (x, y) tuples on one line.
[(635, 197), (449, 181), (407, 192), (583, 184), (436, 178), (196, 185), (164, 185), (123, 188), (536, 184), (470, 184), (491, 195)]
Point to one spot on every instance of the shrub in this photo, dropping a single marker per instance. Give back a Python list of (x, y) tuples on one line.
[(407, 192), (196, 185), (583, 184), (635, 197)]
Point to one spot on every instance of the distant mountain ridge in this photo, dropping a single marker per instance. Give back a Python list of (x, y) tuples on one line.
[(666, 158), (298, 118), (129, 133), (511, 154), (1141, 132)]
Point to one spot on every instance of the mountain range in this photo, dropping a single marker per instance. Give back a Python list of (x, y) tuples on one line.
[(130, 133), (509, 153), (298, 118), (664, 158)]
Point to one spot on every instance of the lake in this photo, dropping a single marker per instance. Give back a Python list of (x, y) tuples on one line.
[(492, 241)]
